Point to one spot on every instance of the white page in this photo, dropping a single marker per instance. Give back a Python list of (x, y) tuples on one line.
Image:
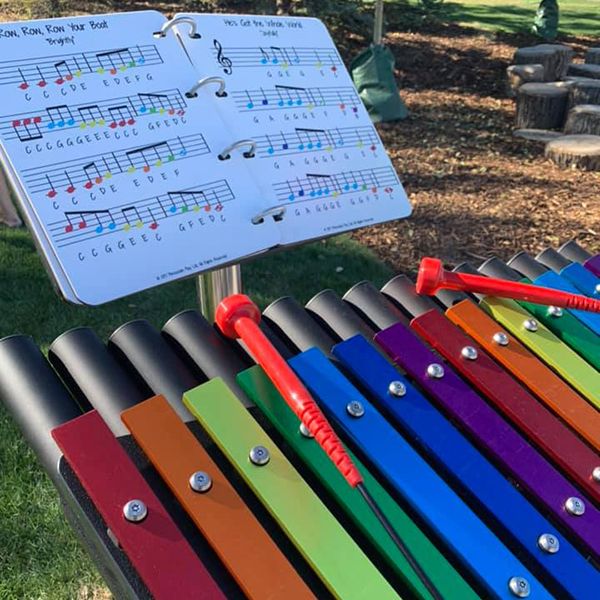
[(120, 168), (288, 89)]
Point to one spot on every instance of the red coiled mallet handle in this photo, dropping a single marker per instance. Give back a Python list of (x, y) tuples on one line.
[(238, 317), (433, 277)]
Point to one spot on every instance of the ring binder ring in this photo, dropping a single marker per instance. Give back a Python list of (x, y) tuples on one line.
[(277, 212), (179, 21), (221, 93), (250, 153)]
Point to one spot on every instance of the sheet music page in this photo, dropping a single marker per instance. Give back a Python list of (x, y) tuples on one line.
[(119, 166), (318, 153)]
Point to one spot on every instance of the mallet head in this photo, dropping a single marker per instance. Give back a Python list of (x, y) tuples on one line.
[(231, 309), (431, 275)]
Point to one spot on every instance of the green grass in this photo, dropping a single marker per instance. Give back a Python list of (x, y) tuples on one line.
[(39, 556), (577, 17)]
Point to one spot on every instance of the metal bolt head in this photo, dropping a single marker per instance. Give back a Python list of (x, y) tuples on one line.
[(304, 431), (259, 456), (397, 389), (200, 482), (549, 543), (469, 352), (555, 311), (435, 371), (530, 324), (575, 506), (501, 338), (355, 409), (519, 586), (135, 511), (597, 289), (596, 474)]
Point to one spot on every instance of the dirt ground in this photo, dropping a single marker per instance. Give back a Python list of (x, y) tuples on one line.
[(476, 190)]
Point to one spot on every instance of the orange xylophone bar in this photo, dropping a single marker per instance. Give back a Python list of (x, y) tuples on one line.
[(432, 277)]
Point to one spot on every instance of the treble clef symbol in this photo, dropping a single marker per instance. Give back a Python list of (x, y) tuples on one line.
[(224, 61)]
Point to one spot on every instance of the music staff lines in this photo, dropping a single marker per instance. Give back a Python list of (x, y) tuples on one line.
[(282, 57), (287, 96), (61, 69), (315, 185), (90, 171), (113, 113), (79, 226), (303, 139)]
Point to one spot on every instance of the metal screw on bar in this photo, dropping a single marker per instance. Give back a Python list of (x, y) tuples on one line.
[(530, 324), (549, 543), (597, 289), (469, 352), (135, 511), (259, 456), (304, 431), (435, 371), (596, 474), (355, 409), (200, 482), (519, 586), (501, 338), (397, 389), (555, 311), (575, 506)]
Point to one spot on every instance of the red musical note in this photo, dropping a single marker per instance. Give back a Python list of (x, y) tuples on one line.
[(52, 193), (71, 187), (24, 85)]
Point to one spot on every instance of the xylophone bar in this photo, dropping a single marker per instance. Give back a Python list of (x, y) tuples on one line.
[(577, 254)]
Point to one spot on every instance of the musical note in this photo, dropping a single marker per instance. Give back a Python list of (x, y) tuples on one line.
[(120, 116), (96, 178), (63, 77), (82, 220), (82, 223), (156, 101), (128, 223), (265, 57), (153, 151), (51, 192), (288, 89), (71, 187), (23, 85), (60, 116), (28, 129), (114, 67), (223, 60), (91, 116), (310, 135), (153, 222), (41, 82), (319, 190)]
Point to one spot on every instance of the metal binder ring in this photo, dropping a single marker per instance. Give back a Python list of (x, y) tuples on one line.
[(221, 93), (277, 212), (179, 21), (250, 153)]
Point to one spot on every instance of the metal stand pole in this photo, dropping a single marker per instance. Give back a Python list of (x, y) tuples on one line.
[(216, 285), (378, 29)]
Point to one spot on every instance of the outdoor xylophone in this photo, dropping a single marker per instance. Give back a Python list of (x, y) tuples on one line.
[(473, 421)]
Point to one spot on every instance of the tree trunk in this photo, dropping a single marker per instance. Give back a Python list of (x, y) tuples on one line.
[(581, 151), (584, 118), (584, 92), (542, 105), (517, 75), (585, 70), (592, 56), (554, 57)]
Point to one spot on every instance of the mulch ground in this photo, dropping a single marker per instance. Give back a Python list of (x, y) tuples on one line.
[(476, 190)]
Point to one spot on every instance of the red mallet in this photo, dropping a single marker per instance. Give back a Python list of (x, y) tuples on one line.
[(433, 277), (238, 317)]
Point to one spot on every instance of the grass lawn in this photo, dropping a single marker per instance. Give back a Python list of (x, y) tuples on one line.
[(577, 17), (39, 556)]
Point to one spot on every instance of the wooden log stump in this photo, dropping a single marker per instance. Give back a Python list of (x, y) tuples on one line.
[(584, 118), (584, 70), (575, 151), (592, 56), (542, 105), (584, 91), (517, 75), (554, 57), (537, 135)]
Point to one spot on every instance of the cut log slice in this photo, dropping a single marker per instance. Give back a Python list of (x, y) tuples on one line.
[(554, 57), (584, 118), (517, 75), (592, 56), (537, 135), (584, 91), (584, 70), (542, 105), (577, 151)]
